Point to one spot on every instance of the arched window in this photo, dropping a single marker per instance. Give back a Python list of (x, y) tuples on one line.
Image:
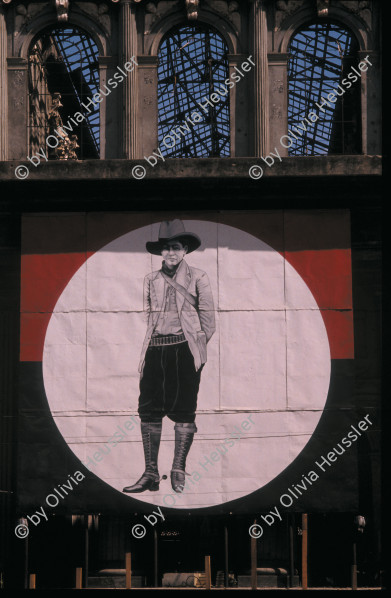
[(64, 75), (321, 57), (193, 64)]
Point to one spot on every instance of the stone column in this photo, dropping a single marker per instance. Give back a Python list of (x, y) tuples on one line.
[(18, 107), (261, 78), (128, 49), (110, 139), (240, 123), (148, 108), (370, 103), (3, 88), (278, 100)]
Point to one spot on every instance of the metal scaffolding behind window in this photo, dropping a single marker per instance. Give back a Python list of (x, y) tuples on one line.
[(192, 65), (320, 57), (63, 75)]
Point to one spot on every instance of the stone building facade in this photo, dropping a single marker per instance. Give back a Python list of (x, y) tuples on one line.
[(71, 179)]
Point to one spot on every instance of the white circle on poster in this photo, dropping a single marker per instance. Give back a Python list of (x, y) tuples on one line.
[(263, 388)]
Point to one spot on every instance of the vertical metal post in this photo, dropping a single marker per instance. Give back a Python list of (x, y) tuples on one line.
[(3, 86), (254, 561), (128, 570), (155, 558), (86, 549), (354, 567), (79, 578), (26, 562), (208, 580), (291, 551), (212, 111), (225, 556), (342, 98), (304, 551)]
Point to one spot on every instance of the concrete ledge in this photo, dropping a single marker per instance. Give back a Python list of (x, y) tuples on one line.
[(194, 168)]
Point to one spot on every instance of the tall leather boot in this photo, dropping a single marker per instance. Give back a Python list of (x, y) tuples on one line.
[(150, 433), (184, 433)]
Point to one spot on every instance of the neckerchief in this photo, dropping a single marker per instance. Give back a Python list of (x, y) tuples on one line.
[(169, 272)]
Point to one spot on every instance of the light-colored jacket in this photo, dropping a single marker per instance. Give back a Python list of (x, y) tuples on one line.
[(198, 324)]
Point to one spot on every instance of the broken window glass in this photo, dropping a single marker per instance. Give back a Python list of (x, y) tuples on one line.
[(64, 75), (321, 56), (193, 64)]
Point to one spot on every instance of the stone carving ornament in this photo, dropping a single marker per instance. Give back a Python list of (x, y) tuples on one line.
[(278, 85), (66, 149), (25, 14), (361, 8), (156, 10), (72, 155), (192, 7), (98, 12), (18, 79), (227, 8), (322, 7), (356, 6), (19, 102), (276, 112), (284, 8), (62, 7)]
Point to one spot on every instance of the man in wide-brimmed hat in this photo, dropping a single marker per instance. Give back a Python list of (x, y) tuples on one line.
[(179, 302)]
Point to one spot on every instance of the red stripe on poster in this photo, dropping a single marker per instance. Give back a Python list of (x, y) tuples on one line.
[(43, 279), (328, 275), (32, 335), (326, 272), (339, 326)]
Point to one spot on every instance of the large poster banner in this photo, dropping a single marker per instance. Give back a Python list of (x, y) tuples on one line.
[(187, 361)]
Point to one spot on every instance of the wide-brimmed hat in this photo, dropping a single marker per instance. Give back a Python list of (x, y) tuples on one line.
[(169, 231)]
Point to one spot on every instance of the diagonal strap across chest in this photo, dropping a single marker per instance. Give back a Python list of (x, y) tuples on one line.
[(178, 287)]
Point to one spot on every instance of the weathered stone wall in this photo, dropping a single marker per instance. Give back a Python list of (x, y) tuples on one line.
[(121, 30)]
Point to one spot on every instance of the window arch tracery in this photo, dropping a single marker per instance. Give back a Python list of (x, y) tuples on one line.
[(321, 57), (193, 64)]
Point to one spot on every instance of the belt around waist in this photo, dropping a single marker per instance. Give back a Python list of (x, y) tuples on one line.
[(171, 339)]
